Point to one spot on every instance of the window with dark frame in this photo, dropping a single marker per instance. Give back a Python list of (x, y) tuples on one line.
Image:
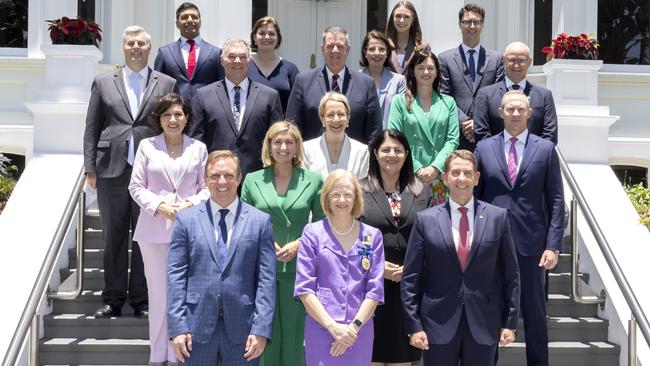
[(543, 30), (86, 9), (631, 175), (624, 31), (13, 23)]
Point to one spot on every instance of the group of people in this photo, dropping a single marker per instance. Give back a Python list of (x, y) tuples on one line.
[(326, 215)]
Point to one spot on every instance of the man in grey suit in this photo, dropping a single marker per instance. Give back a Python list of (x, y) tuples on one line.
[(116, 122), (192, 61), (488, 122), (310, 86), (221, 274), (467, 68), (235, 113)]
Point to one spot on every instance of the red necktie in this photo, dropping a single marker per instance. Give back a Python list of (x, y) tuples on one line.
[(463, 238), (512, 161), (191, 58), (335, 83)]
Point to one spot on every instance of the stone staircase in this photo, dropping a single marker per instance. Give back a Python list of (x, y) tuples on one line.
[(73, 337)]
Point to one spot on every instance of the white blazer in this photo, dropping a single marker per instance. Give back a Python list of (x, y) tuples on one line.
[(354, 157)]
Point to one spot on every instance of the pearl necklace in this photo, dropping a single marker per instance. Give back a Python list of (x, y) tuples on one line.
[(344, 233)]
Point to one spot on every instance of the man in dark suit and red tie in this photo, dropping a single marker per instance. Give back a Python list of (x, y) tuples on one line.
[(192, 61), (521, 172), (460, 283)]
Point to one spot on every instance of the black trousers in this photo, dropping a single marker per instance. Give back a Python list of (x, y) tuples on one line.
[(119, 213)]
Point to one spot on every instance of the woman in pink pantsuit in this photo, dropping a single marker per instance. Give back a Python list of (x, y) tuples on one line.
[(340, 277), (167, 177)]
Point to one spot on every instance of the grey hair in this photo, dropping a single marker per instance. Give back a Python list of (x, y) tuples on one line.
[(336, 30), (234, 42), (136, 29), (515, 93)]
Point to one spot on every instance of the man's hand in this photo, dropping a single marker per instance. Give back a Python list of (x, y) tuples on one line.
[(507, 336), (419, 340), (427, 174), (468, 129), (549, 259), (91, 180), (166, 210), (254, 347), (182, 344), (288, 251)]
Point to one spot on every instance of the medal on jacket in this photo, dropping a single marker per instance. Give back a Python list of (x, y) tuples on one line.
[(365, 250)]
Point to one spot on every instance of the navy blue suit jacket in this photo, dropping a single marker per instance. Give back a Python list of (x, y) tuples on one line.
[(487, 121), (309, 88), (535, 202), (169, 61), (435, 289), (456, 81), (198, 285)]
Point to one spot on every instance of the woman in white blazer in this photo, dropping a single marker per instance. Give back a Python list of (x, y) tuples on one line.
[(168, 176), (334, 149)]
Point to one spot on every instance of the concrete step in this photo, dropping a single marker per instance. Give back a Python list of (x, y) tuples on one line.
[(92, 221), (559, 305), (565, 354), (563, 263), (566, 329), (93, 239), (93, 278), (87, 303), (87, 326), (89, 351), (93, 258)]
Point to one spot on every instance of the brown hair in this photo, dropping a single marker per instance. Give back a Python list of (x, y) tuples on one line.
[(276, 129), (474, 8), (164, 103), (332, 179), (420, 55), (381, 36), (460, 154), (221, 155), (262, 22), (415, 33)]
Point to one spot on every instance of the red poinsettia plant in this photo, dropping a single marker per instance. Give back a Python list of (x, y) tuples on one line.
[(572, 47), (74, 31)]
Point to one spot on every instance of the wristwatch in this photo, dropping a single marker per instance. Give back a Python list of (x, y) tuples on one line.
[(357, 323)]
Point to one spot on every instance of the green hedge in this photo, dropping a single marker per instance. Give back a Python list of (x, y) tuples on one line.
[(640, 197)]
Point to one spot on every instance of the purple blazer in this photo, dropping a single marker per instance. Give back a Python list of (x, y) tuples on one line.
[(152, 183), (337, 278)]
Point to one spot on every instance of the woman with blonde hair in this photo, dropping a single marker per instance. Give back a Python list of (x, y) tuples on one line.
[(290, 194)]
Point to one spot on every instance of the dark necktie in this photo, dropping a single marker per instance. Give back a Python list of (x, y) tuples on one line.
[(512, 161), (515, 87), (236, 109), (222, 248), (191, 58), (471, 65), (335, 83), (463, 238)]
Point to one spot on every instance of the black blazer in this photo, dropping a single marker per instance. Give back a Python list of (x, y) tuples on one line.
[(377, 213)]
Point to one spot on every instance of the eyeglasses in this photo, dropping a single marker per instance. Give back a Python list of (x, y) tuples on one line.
[(469, 22), (517, 60), (217, 177)]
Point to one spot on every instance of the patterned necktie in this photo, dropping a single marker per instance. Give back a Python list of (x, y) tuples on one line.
[(191, 58), (471, 65), (222, 248), (512, 161), (236, 109), (463, 238), (335, 83)]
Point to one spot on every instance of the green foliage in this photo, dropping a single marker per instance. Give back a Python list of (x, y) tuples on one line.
[(640, 197), (7, 185)]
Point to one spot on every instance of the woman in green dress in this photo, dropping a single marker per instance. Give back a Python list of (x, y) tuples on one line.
[(428, 118), (290, 195)]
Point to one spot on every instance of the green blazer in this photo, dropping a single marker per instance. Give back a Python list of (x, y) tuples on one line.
[(432, 138), (290, 217)]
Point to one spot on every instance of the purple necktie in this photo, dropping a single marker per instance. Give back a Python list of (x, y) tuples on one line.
[(463, 238), (335, 83), (512, 161)]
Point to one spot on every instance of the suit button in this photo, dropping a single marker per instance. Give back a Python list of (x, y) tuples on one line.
[(288, 224), (342, 306)]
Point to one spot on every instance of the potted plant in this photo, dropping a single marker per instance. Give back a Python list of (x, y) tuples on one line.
[(572, 47), (74, 31)]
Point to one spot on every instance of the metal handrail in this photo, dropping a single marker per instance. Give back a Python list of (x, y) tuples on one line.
[(27, 319), (638, 316)]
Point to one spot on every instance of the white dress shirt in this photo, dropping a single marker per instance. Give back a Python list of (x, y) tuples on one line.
[(185, 48), (230, 218), (466, 49), (455, 220), (134, 91), (519, 145), (243, 94), (522, 84), (341, 75)]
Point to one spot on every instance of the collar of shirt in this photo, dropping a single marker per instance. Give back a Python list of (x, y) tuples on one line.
[(453, 206), (144, 73), (232, 210), (455, 219), (522, 84), (197, 41), (341, 75), (521, 138), (466, 49), (244, 88)]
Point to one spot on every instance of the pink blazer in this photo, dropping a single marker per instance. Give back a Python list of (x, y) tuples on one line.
[(152, 183)]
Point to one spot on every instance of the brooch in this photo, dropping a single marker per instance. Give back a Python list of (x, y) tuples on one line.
[(365, 250)]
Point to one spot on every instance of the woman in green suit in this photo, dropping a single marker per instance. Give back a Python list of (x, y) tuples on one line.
[(428, 118), (290, 195)]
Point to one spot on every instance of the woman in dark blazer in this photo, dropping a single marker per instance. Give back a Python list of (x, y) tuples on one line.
[(392, 198)]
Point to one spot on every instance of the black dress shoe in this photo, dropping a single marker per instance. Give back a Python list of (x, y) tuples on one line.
[(107, 311), (141, 313)]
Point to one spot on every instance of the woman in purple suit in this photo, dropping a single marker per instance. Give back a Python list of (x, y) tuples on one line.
[(339, 277), (167, 177)]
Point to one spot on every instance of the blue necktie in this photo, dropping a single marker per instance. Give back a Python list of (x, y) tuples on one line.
[(222, 249), (471, 65)]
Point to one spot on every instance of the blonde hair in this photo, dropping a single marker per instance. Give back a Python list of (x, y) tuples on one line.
[(515, 94), (332, 179), (276, 129), (333, 97), (221, 155)]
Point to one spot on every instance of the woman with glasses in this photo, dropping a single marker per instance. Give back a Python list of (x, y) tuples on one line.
[(290, 194), (334, 149)]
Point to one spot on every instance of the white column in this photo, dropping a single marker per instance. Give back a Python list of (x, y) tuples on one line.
[(575, 17), (113, 16), (40, 11), (515, 22)]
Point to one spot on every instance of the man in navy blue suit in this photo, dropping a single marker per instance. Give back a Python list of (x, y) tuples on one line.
[(192, 61), (460, 283), (221, 274), (310, 86), (521, 173), (488, 121)]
